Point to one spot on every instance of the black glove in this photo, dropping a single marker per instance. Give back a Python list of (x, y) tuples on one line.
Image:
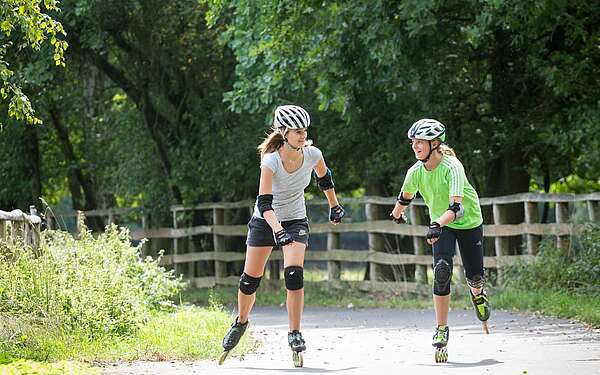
[(336, 214), (283, 238), (435, 230), (401, 220)]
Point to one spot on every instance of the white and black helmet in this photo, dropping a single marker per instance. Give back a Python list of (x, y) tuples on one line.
[(291, 117), (427, 129)]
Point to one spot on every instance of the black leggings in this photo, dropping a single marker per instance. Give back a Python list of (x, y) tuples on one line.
[(470, 242)]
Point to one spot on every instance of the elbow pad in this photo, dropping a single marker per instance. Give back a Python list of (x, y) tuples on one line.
[(458, 209), (264, 203), (403, 201), (325, 182)]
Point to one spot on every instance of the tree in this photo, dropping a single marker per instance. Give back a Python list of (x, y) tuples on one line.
[(26, 24), (504, 77)]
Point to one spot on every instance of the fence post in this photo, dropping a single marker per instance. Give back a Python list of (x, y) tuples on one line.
[(333, 267), (376, 241), (532, 216), (80, 217), (146, 246), (501, 244), (50, 221), (593, 211), (189, 247), (33, 236), (219, 242), (2, 229), (11, 230), (419, 243), (562, 217), (176, 266)]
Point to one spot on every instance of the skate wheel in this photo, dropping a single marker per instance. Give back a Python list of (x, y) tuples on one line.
[(223, 356), (441, 355), (485, 327), (298, 359)]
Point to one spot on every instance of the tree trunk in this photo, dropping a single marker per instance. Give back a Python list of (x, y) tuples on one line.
[(508, 172), (78, 180), (153, 119)]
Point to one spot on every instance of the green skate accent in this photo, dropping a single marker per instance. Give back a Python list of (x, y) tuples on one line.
[(440, 337), (481, 305)]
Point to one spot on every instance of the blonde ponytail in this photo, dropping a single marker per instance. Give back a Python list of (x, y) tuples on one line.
[(271, 144), (447, 150)]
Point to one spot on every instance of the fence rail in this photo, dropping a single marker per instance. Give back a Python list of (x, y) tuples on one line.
[(17, 224), (570, 213)]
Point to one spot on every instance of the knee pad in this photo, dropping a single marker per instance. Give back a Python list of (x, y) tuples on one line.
[(294, 277), (249, 284), (442, 274), (477, 281)]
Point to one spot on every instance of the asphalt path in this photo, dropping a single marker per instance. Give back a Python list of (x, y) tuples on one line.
[(388, 341)]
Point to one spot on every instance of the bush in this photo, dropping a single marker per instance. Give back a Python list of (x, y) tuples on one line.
[(576, 270), (98, 286)]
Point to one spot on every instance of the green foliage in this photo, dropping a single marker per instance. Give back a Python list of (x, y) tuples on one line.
[(186, 333), (574, 184), (39, 368), (92, 286), (26, 23), (562, 303), (189, 333), (577, 270), (14, 188), (165, 102), (512, 81)]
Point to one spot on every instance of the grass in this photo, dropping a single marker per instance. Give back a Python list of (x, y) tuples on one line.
[(32, 367), (188, 333), (562, 304)]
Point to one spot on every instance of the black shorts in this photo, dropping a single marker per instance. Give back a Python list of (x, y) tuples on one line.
[(470, 242), (260, 233)]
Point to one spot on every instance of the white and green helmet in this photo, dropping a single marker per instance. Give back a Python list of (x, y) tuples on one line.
[(291, 117), (427, 129)]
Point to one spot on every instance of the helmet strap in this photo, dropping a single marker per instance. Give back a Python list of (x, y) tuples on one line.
[(290, 146), (431, 150), (284, 132)]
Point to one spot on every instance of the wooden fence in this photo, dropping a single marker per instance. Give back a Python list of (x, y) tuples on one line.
[(566, 209), (17, 224)]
